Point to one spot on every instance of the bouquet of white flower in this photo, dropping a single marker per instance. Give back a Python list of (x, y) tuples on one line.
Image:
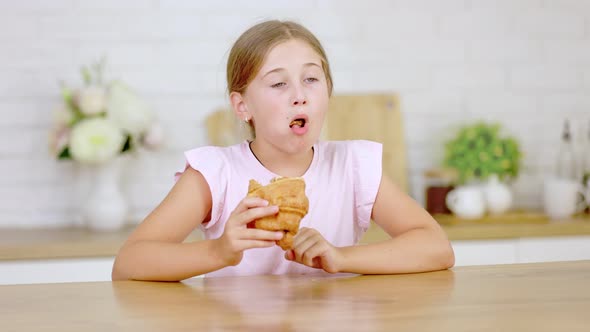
[(101, 120)]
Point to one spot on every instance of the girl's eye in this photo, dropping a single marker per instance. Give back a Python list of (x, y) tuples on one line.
[(311, 79), (276, 85)]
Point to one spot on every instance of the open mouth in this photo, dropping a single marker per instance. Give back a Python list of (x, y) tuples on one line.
[(300, 122)]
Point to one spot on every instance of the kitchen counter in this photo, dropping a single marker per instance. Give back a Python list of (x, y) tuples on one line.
[(509, 226), (18, 244), (518, 297)]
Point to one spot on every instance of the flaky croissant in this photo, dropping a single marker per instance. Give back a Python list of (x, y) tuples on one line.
[(289, 195)]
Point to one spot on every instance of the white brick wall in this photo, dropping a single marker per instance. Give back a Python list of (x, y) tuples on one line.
[(525, 63)]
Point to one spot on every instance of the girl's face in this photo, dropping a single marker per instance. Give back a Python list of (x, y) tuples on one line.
[(288, 98)]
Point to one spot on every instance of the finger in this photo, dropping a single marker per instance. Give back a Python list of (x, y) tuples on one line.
[(261, 234), (312, 257), (289, 255), (250, 244), (248, 203), (303, 246), (302, 234), (317, 263), (252, 214)]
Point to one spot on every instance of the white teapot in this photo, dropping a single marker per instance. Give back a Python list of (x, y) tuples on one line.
[(467, 202)]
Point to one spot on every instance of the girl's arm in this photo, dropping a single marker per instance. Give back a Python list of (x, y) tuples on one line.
[(154, 251), (418, 243)]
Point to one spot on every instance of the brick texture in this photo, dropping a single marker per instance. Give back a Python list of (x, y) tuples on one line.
[(523, 63)]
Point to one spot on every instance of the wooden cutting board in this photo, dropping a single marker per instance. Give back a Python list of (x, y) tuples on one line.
[(375, 117), (224, 128)]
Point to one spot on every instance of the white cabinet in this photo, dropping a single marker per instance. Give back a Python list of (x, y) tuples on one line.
[(56, 270), (553, 249), (477, 252), (521, 250)]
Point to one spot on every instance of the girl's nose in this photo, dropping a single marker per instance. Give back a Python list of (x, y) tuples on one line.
[(299, 101), (299, 97)]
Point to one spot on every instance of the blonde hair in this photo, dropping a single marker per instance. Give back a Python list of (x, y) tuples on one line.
[(250, 50)]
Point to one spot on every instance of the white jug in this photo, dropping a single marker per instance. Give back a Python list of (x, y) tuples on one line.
[(466, 202), (497, 195)]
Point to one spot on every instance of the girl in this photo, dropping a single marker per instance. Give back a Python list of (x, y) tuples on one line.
[(279, 82)]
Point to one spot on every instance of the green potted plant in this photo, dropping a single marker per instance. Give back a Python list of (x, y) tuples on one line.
[(479, 151), (480, 154)]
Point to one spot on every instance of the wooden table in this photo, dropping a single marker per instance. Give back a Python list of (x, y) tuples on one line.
[(526, 297)]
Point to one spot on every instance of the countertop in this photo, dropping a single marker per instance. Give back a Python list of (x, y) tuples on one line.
[(18, 244), (517, 297)]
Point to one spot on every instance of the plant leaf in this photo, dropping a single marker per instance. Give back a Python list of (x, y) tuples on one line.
[(65, 154), (127, 146), (86, 75)]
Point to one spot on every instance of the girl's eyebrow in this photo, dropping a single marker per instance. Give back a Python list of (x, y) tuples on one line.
[(279, 69)]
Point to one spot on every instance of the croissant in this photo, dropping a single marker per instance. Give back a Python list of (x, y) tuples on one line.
[(289, 195)]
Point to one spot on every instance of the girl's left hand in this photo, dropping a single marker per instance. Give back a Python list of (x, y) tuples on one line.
[(311, 249)]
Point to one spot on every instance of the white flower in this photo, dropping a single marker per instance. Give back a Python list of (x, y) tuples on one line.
[(62, 117), (154, 136), (127, 110), (95, 140), (92, 100)]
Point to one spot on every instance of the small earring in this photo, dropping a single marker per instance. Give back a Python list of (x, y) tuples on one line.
[(246, 119)]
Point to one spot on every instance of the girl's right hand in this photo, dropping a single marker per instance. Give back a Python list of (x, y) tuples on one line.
[(237, 237)]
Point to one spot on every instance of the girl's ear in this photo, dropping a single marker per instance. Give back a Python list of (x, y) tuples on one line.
[(239, 106)]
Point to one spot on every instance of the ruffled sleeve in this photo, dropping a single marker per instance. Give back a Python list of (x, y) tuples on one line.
[(210, 162), (367, 167)]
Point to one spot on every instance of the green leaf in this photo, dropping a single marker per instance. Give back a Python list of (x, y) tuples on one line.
[(65, 154), (127, 145), (66, 94), (86, 75)]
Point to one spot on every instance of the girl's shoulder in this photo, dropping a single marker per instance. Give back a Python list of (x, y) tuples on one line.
[(223, 150), (211, 159), (350, 147), (356, 156), (212, 152)]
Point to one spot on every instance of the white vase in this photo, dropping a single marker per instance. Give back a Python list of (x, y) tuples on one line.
[(466, 202), (105, 208), (498, 195)]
